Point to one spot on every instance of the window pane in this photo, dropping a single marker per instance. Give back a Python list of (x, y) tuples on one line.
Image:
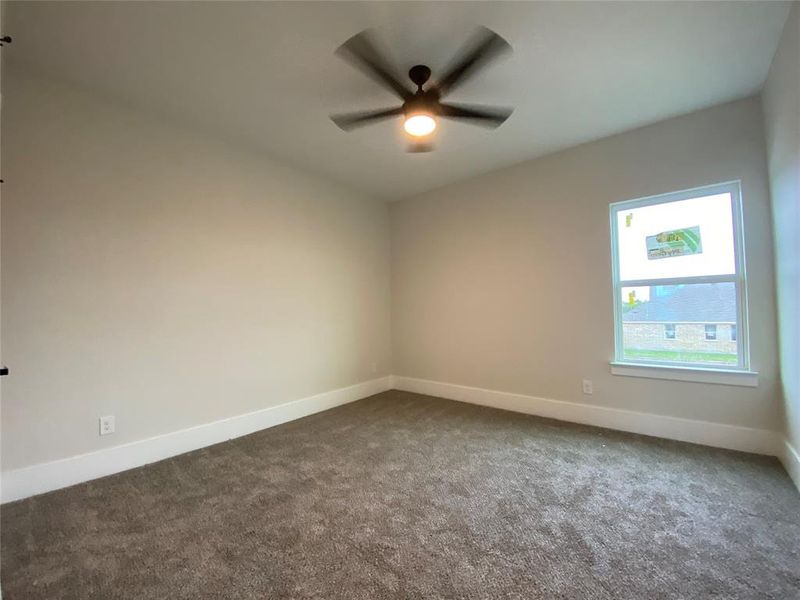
[(686, 238), (701, 317)]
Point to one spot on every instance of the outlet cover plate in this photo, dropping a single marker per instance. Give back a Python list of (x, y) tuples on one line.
[(107, 425)]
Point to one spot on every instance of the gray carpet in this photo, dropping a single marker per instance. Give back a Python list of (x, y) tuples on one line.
[(407, 496)]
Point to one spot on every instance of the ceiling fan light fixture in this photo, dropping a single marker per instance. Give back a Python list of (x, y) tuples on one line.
[(419, 124), (422, 109)]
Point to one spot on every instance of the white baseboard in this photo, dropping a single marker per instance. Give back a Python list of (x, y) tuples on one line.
[(759, 441), (45, 477), (791, 462)]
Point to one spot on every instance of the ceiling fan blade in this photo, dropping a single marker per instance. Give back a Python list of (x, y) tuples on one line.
[(483, 47), (419, 147), (488, 116), (361, 51), (350, 121)]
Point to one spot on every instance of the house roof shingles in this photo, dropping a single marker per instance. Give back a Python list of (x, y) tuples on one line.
[(704, 303)]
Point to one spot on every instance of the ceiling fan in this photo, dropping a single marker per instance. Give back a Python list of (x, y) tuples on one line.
[(422, 108)]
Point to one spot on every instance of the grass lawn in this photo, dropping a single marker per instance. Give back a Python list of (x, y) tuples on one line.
[(683, 356)]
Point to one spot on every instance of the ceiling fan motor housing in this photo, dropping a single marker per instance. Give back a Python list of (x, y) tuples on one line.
[(426, 102)]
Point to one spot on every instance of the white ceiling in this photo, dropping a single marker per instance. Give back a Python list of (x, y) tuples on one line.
[(265, 73)]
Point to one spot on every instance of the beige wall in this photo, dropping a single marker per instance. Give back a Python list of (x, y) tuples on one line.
[(169, 280), (504, 281), (781, 101)]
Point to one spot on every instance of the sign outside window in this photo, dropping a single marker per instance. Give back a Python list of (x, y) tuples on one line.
[(678, 242)]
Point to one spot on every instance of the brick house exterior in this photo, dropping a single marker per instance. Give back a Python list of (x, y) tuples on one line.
[(698, 318)]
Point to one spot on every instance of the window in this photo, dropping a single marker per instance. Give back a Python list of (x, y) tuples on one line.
[(678, 269)]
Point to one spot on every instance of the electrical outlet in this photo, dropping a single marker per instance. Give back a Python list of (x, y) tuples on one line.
[(107, 425), (588, 388), (374, 367)]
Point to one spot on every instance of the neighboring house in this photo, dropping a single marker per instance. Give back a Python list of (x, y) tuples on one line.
[(698, 318)]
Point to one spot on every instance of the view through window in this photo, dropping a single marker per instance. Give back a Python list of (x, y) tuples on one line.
[(678, 279)]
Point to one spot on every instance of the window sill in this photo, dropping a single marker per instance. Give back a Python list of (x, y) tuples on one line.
[(695, 374)]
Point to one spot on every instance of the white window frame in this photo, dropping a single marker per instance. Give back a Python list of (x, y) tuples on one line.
[(671, 369)]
